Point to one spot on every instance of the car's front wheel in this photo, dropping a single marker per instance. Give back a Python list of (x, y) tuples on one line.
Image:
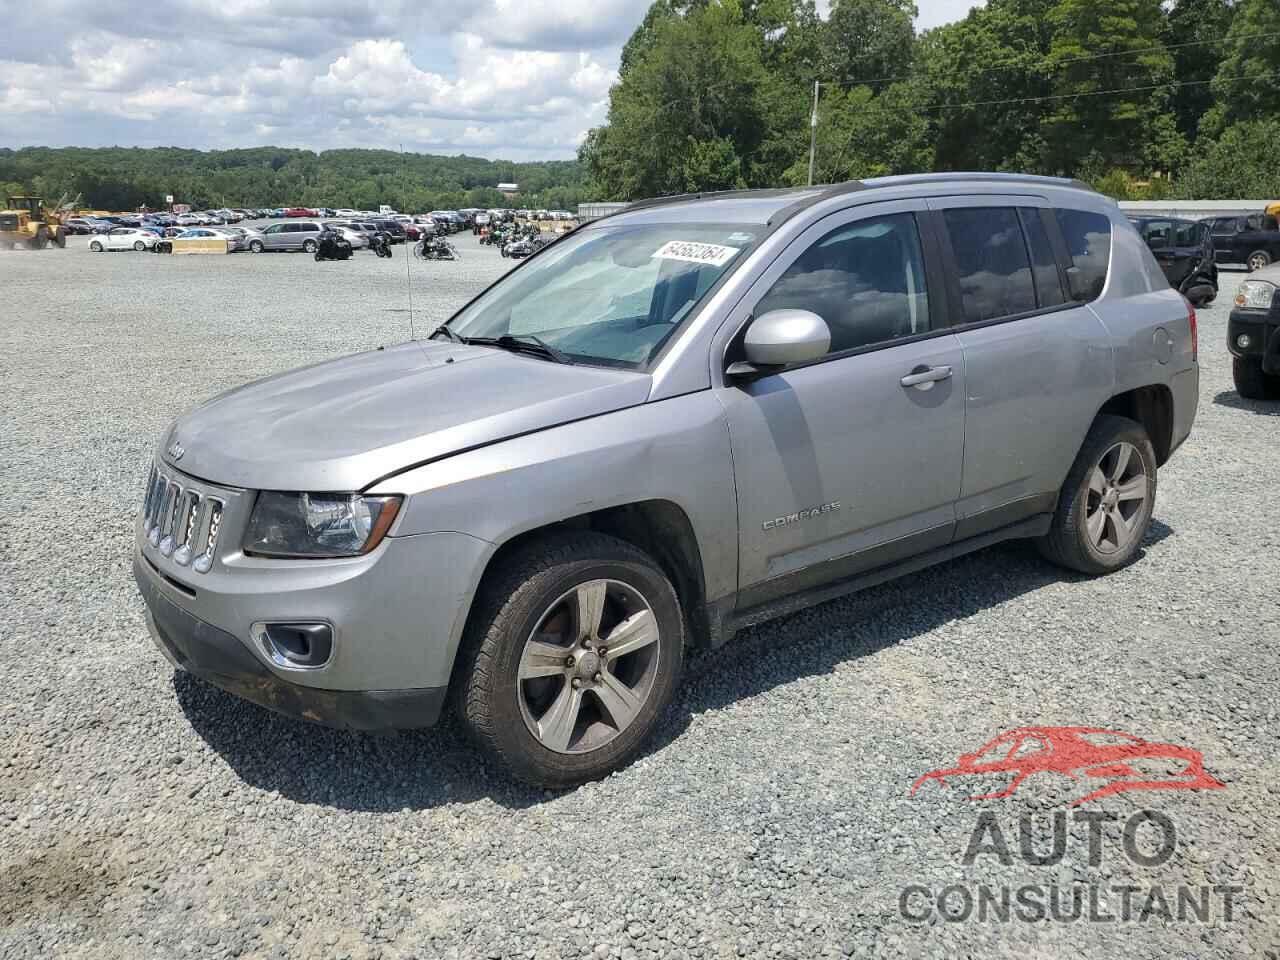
[(255, 246), (1104, 508), (1252, 383), (572, 653), (139, 245), (1258, 259)]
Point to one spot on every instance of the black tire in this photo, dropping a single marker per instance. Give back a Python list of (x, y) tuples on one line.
[(1068, 543), (318, 257), (308, 246), (95, 246), (255, 246), (139, 246), (1257, 260), (1251, 382), (510, 605), (60, 238)]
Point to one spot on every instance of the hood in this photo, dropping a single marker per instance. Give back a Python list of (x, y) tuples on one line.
[(342, 424)]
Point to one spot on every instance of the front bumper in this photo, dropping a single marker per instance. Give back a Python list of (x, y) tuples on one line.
[(222, 660), (1263, 330)]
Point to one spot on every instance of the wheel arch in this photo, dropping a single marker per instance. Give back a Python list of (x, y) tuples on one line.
[(1152, 407), (660, 528)]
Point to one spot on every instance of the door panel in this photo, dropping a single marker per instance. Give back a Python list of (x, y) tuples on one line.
[(1033, 384), (840, 466), (875, 463)]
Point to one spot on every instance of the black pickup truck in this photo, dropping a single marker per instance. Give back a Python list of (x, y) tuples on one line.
[(1253, 240)]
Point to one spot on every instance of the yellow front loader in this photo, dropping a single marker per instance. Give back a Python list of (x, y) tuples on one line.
[(27, 221)]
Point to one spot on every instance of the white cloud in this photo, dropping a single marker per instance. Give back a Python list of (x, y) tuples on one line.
[(523, 79)]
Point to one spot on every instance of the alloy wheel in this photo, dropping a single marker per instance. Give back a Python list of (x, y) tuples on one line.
[(589, 666), (1258, 261), (1117, 495)]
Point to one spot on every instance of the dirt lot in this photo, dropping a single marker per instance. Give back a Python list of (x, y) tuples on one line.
[(143, 814)]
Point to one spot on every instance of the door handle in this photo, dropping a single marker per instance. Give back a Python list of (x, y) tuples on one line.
[(925, 377)]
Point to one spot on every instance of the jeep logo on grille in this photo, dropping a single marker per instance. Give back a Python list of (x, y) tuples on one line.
[(175, 451)]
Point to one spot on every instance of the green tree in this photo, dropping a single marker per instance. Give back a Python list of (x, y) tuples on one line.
[(1247, 86), (1195, 32), (869, 40), (688, 94), (1107, 62), (861, 134), (982, 78), (1239, 165)]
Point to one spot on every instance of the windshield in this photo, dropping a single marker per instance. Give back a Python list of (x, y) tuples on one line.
[(609, 294)]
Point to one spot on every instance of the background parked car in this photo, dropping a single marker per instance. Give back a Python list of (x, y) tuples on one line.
[(1253, 240), (124, 238), (300, 212), (394, 229), (350, 232), (1184, 250), (288, 236)]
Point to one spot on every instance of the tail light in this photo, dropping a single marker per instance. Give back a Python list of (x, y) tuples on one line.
[(1195, 332)]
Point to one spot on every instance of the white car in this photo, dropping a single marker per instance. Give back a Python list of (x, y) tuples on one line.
[(345, 214), (352, 234), (123, 238)]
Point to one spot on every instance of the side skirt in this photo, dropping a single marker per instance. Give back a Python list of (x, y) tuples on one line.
[(725, 621)]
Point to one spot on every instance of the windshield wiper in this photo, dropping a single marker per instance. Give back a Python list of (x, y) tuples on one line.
[(522, 343)]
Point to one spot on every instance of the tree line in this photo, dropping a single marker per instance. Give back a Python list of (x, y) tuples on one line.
[(126, 178), (1141, 98)]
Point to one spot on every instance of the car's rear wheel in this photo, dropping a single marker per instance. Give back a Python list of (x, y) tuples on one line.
[(95, 246), (309, 246), (1104, 508), (1258, 259), (572, 653), (1251, 382)]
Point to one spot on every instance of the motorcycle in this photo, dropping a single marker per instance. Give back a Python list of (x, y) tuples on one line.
[(380, 244), (332, 246), (435, 248)]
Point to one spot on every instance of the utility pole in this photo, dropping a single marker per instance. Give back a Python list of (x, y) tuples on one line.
[(813, 131)]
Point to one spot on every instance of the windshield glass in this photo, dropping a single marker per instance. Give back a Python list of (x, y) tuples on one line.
[(609, 294)]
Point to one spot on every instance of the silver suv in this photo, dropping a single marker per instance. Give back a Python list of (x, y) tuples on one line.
[(673, 422)]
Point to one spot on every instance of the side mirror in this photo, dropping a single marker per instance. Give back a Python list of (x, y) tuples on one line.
[(782, 337)]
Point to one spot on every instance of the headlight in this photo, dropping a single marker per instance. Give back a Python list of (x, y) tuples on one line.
[(1255, 295), (318, 524)]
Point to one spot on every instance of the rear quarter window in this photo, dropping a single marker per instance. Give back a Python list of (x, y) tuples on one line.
[(1088, 237)]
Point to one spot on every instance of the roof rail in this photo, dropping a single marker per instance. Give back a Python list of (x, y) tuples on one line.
[(712, 195), (959, 175)]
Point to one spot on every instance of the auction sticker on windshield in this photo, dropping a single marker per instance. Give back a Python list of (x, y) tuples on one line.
[(693, 252)]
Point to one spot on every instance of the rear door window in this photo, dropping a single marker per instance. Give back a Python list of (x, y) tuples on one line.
[(993, 265), (1088, 237), (1044, 265)]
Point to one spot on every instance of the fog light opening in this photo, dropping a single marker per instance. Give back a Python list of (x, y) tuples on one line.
[(299, 646), (1244, 341)]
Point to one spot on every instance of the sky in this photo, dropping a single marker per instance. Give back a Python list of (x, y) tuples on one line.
[(511, 79)]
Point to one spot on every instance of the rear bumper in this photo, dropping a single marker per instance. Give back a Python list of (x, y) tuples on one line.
[(221, 659)]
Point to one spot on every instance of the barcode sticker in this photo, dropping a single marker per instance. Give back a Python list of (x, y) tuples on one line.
[(693, 252)]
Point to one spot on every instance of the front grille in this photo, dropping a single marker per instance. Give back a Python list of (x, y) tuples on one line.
[(182, 521)]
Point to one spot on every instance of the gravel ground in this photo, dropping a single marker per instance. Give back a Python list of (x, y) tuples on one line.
[(143, 814)]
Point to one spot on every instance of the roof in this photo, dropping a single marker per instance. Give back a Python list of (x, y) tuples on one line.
[(773, 206)]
